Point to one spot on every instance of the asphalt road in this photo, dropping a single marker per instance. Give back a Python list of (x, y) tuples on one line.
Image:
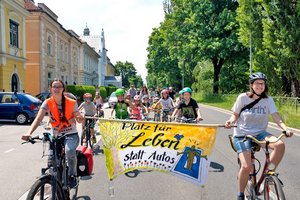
[(21, 164)]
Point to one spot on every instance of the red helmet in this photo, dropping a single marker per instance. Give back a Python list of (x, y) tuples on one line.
[(87, 95), (136, 98), (164, 91)]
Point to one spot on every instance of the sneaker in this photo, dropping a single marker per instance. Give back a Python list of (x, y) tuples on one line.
[(94, 139), (240, 198), (72, 181)]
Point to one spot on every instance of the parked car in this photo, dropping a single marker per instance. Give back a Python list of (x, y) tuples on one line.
[(45, 95), (19, 107)]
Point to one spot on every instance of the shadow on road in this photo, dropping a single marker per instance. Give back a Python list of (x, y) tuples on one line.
[(216, 167), (135, 173), (83, 198)]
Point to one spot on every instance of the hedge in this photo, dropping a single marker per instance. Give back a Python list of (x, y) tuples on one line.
[(80, 90)]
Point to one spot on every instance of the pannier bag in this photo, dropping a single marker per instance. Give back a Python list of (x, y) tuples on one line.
[(84, 161)]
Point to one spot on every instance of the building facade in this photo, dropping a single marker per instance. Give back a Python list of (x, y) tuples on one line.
[(12, 45), (54, 52), (88, 71)]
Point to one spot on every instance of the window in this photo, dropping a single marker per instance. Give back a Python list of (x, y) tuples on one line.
[(49, 46), (14, 33), (62, 52), (67, 54), (49, 78)]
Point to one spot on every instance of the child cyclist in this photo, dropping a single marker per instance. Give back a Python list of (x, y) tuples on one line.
[(188, 107), (156, 107), (136, 109), (89, 110), (166, 101), (121, 108)]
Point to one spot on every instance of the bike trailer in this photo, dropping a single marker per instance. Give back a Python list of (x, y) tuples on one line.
[(84, 161)]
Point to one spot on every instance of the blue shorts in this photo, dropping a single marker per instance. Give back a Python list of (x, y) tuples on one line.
[(242, 146)]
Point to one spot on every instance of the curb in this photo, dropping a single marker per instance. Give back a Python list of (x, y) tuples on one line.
[(271, 124)]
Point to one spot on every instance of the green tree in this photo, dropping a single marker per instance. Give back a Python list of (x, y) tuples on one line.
[(126, 71), (275, 31)]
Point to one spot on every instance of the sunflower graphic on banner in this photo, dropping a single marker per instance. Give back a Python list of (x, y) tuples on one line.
[(179, 149)]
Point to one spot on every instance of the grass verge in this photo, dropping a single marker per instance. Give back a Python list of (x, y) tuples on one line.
[(288, 113)]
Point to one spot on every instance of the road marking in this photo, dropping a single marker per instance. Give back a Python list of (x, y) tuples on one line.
[(24, 196), (10, 150), (271, 124)]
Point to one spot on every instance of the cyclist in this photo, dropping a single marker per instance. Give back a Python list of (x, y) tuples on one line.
[(172, 93), (89, 110), (180, 98), (156, 106), (189, 107), (254, 121), (136, 109), (99, 103), (166, 101), (121, 108), (63, 113)]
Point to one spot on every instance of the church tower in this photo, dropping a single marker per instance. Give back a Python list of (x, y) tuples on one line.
[(103, 58), (86, 31)]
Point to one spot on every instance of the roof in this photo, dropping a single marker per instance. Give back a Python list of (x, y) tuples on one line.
[(30, 6)]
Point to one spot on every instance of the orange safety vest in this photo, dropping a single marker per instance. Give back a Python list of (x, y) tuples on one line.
[(56, 120)]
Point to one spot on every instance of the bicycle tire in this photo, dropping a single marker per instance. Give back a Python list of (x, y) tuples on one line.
[(34, 192), (273, 188), (83, 136)]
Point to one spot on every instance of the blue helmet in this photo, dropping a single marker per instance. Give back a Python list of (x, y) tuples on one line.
[(186, 89)]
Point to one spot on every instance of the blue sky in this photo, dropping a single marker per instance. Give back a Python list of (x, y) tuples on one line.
[(127, 24)]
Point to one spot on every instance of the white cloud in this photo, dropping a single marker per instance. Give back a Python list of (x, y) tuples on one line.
[(127, 24)]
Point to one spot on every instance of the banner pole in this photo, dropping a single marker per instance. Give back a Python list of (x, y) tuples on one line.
[(111, 189)]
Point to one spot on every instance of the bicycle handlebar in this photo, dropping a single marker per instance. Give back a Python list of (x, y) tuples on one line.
[(283, 134), (32, 140)]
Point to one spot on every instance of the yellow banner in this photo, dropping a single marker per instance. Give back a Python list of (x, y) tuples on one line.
[(179, 149)]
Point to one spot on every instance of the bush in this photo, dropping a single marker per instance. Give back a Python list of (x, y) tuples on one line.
[(80, 90), (103, 92)]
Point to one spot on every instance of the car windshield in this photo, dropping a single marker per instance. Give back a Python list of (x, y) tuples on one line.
[(113, 94)]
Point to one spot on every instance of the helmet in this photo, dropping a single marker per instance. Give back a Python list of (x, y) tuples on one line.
[(136, 98), (180, 92), (164, 91), (87, 95), (256, 76), (120, 92), (186, 89)]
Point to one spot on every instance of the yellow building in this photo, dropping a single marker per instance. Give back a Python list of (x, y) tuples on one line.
[(12, 45)]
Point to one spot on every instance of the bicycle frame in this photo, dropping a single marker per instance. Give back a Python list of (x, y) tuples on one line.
[(58, 168), (265, 170)]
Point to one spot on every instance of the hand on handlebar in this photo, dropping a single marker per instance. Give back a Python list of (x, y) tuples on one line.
[(288, 133), (26, 137)]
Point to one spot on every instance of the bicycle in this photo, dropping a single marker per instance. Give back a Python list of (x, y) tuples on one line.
[(165, 115), (272, 185), (86, 133), (156, 115), (53, 183), (186, 120)]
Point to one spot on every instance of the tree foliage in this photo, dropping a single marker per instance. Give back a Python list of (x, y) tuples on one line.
[(194, 31), (128, 73), (274, 25)]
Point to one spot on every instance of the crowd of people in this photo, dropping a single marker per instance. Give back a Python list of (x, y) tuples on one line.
[(137, 104)]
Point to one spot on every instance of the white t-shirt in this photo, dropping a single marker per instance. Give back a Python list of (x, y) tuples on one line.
[(255, 120), (166, 104)]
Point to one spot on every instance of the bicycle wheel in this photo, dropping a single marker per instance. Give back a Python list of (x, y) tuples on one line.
[(42, 189), (249, 190), (273, 188), (83, 137)]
